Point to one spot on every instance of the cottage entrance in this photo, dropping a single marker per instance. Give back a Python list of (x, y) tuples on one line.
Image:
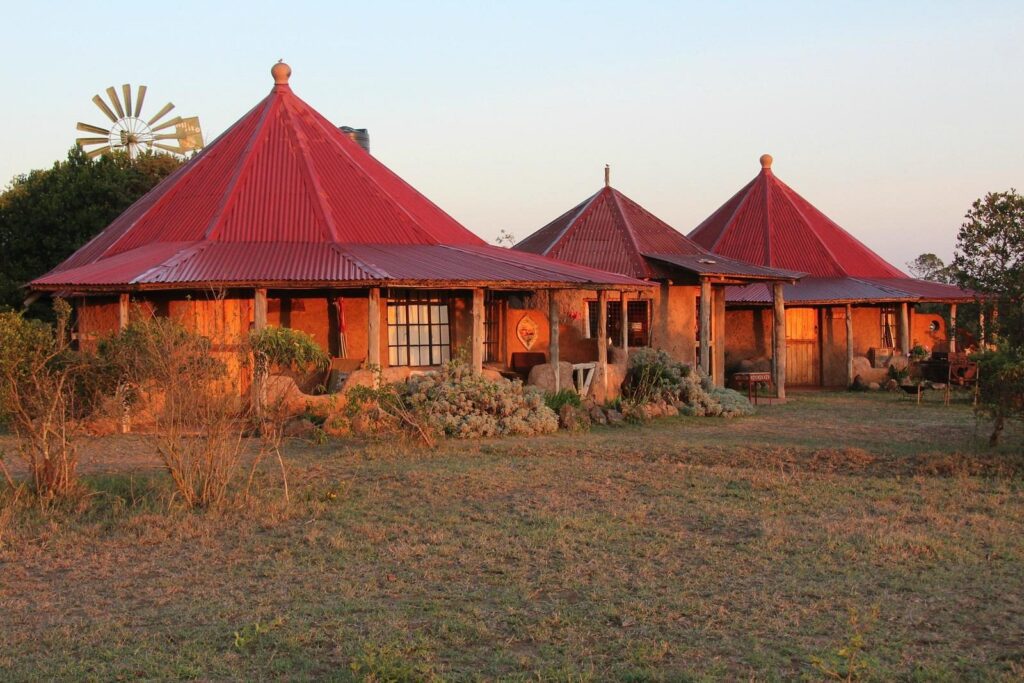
[(802, 359)]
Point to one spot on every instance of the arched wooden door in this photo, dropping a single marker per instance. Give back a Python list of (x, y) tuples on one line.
[(802, 356)]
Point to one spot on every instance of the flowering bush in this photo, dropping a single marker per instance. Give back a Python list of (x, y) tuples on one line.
[(456, 402)]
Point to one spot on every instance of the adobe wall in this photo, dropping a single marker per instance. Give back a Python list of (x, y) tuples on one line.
[(748, 334)]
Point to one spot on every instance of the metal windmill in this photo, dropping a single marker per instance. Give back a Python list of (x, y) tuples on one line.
[(129, 132)]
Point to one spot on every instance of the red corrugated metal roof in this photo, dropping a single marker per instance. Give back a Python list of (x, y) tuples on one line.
[(823, 290), (612, 232), (768, 223), (283, 195)]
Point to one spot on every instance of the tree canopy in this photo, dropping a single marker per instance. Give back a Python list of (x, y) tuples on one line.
[(990, 256), (931, 267), (45, 215)]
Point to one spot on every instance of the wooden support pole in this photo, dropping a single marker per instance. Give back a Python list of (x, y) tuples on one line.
[(849, 345), (981, 326), (952, 328), (259, 316), (122, 311), (553, 337), (625, 324), (904, 328), (478, 331), (779, 340), (373, 327), (705, 326), (602, 338)]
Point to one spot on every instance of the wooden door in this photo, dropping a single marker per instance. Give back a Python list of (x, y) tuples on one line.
[(802, 359)]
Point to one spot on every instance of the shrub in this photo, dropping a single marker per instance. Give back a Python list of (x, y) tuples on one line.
[(198, 415), (40, 378), (1000, 387), (456, 402), (654, 376), (555, 400), (287, 349)]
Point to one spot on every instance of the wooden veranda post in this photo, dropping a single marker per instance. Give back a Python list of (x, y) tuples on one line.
[(373, 327), (952, 328), (779, 340), (122, 311), (259, 315), (904, 328), (478, 331), (625, 324), (849, 345), (553, 337), (705, 326), (602, 338)]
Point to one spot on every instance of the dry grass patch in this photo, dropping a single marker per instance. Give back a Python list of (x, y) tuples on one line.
[(686, 548)]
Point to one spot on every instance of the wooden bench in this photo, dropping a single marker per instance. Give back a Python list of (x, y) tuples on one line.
[(752, 380)]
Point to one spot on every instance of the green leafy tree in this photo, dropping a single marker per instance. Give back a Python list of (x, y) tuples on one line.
[(45, 215), (990, 257), (931, 267)]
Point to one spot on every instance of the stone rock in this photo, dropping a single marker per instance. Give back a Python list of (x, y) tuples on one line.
[(492, 374), (299, 428), (892, 385), (543, 377), (861, 366), (759, 364), (574, 419), (671, 411), (679, 405), (615, 418), (938, 385), (874, 386), (616, 375), (395, 374), (338, 425), (597, 416)]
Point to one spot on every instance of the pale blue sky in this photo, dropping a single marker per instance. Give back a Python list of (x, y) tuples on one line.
[(890, 117)]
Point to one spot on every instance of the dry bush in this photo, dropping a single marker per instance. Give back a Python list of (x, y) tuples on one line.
[(40, 398), (199, 419)]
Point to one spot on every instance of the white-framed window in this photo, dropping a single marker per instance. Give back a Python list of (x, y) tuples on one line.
[(419, 330)]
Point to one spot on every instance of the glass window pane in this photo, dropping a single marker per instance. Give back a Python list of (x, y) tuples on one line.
[(443, 337), (443, 314), (392, 315), (393, 356), (403, 336), (392, 335), (445, 354)]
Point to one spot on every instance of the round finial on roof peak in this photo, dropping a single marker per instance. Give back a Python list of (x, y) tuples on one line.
[(281, 72), (766, 161)]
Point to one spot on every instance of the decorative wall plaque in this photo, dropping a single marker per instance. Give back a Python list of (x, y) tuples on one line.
[(526, 331)]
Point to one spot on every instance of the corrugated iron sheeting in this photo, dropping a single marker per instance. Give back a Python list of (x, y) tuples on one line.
[(713, 264), (822, 290), (769, 224), (612, 232)]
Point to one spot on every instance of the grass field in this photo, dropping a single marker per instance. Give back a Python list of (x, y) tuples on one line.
[(838, 532)]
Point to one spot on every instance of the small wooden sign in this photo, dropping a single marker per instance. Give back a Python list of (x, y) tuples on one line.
[(526, 332)]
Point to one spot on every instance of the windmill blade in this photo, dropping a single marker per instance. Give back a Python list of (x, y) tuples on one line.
[(126, 90), (86, 128), (167, 124), (98, 101), (168, 136), (138, 100), (159, 115), (176, 150), (96, 152), (112, 94), (92, 141)]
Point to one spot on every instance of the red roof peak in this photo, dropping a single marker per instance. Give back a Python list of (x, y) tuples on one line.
[(769, 224)]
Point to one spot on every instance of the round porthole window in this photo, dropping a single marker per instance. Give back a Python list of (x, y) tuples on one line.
[(933, 326)]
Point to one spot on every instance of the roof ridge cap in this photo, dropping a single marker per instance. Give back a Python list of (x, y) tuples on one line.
[(174, 260), (366, 266), (637, 256), (375, 186), (307, 170), (585, 207), (228, 200)]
